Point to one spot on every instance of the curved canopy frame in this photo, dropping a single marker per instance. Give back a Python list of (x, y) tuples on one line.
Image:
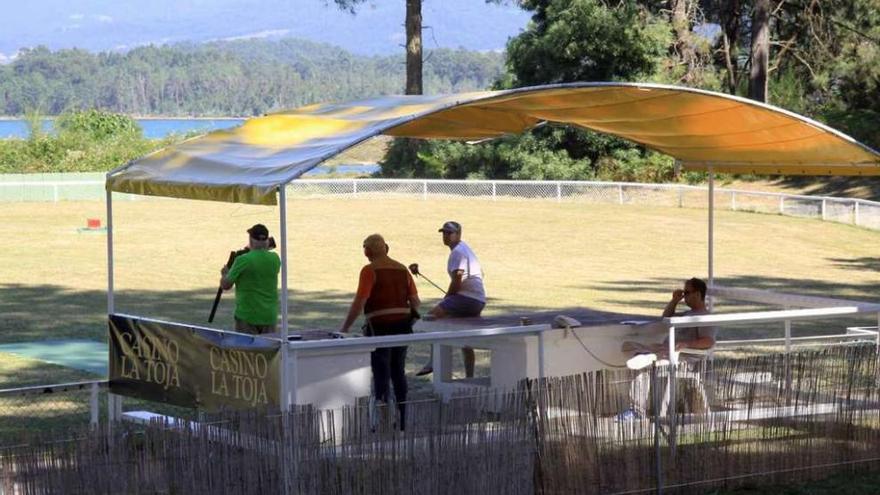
[(701, 129)]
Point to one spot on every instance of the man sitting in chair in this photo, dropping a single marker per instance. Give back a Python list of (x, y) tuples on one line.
[(699, 338), (702, 338)]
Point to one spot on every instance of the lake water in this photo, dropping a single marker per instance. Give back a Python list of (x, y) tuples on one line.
[(153, 128)]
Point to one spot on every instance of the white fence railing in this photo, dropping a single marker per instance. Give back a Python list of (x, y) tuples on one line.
[(857, 212)]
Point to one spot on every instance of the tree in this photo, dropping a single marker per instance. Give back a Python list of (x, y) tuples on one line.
[(567, 40), (760, 51), (413, 23), (414, 47), (585, 40)]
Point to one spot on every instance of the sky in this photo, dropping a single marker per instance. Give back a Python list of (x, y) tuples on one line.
[(377, 28)]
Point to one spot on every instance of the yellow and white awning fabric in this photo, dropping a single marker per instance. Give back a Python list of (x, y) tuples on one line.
[(701, 129)]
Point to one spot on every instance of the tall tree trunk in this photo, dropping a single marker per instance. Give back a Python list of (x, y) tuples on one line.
[(684, 46), (731, 17), (413, 47), (760, 51)]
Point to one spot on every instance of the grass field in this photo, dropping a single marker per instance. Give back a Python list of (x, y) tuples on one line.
[(537, 254)]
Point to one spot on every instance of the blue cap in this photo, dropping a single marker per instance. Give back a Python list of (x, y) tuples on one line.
[(450, 226)]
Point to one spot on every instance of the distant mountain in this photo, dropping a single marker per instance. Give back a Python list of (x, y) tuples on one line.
[(376, 28)]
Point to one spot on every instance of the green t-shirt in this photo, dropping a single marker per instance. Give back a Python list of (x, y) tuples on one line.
[(256, 286)]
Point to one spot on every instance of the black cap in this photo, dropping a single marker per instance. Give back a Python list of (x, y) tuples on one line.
[(450, 226), (258, 232)]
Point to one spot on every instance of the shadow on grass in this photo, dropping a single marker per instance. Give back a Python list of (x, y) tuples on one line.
[(860, 264), (845, 187)]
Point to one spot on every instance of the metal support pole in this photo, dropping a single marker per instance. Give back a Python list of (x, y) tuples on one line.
[(710, 302), (424, 190), (558, 192), (658, 461), (93, 406), (856, 213), (110, 301), (285, 396), (540, 355), (114, 403), (354, 187), (824, 208), (680, 196), (55, 192), (733, 200), (293, 378), (620, 193), (787, 360), (782, 205), (787, 335), (282, 247), (494, 192), (670, 412), (114, 409)]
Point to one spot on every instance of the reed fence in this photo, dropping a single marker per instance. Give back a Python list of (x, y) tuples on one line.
[(760, 419)]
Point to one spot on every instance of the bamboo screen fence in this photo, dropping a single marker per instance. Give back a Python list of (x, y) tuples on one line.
[(758, 420)]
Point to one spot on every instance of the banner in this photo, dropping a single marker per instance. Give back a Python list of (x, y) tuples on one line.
[(192, 366)]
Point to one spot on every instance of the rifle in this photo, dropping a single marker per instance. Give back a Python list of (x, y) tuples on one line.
[(229, 262)]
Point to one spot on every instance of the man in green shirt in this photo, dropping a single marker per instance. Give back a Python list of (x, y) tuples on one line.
[(255, 277)]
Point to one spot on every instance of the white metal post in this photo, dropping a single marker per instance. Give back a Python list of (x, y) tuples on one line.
[(673, 364), (787, 334), (711, 260), (620, 193), (856, 213), (110, 301), (292, 378), (782, 205), (673, 358), (55, 192), (494, 192), (541, 356), (282, 247), (824, 208), (114, 403), (424, 190), (558, 192), (93, 405)]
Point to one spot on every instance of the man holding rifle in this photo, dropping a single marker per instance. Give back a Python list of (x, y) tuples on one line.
[(254, 274)]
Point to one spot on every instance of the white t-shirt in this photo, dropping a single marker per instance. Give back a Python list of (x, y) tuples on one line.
[(462, 258)]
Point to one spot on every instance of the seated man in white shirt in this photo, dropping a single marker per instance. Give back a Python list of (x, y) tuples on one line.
[(702, 338), (466, 296), (694, 295)]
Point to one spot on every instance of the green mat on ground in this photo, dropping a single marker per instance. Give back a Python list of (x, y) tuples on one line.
[(86, 355)]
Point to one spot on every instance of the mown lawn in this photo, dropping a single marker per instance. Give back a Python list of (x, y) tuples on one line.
[(537, 254)]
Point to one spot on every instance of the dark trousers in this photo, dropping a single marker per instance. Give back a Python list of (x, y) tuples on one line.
[(388, 364)]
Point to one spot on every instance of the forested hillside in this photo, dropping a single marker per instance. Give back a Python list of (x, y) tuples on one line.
[(238, 78)]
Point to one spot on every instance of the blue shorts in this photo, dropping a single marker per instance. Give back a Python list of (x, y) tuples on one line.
[(461, 306)]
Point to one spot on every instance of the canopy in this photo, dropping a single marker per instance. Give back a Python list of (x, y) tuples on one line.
[(701, 129)]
